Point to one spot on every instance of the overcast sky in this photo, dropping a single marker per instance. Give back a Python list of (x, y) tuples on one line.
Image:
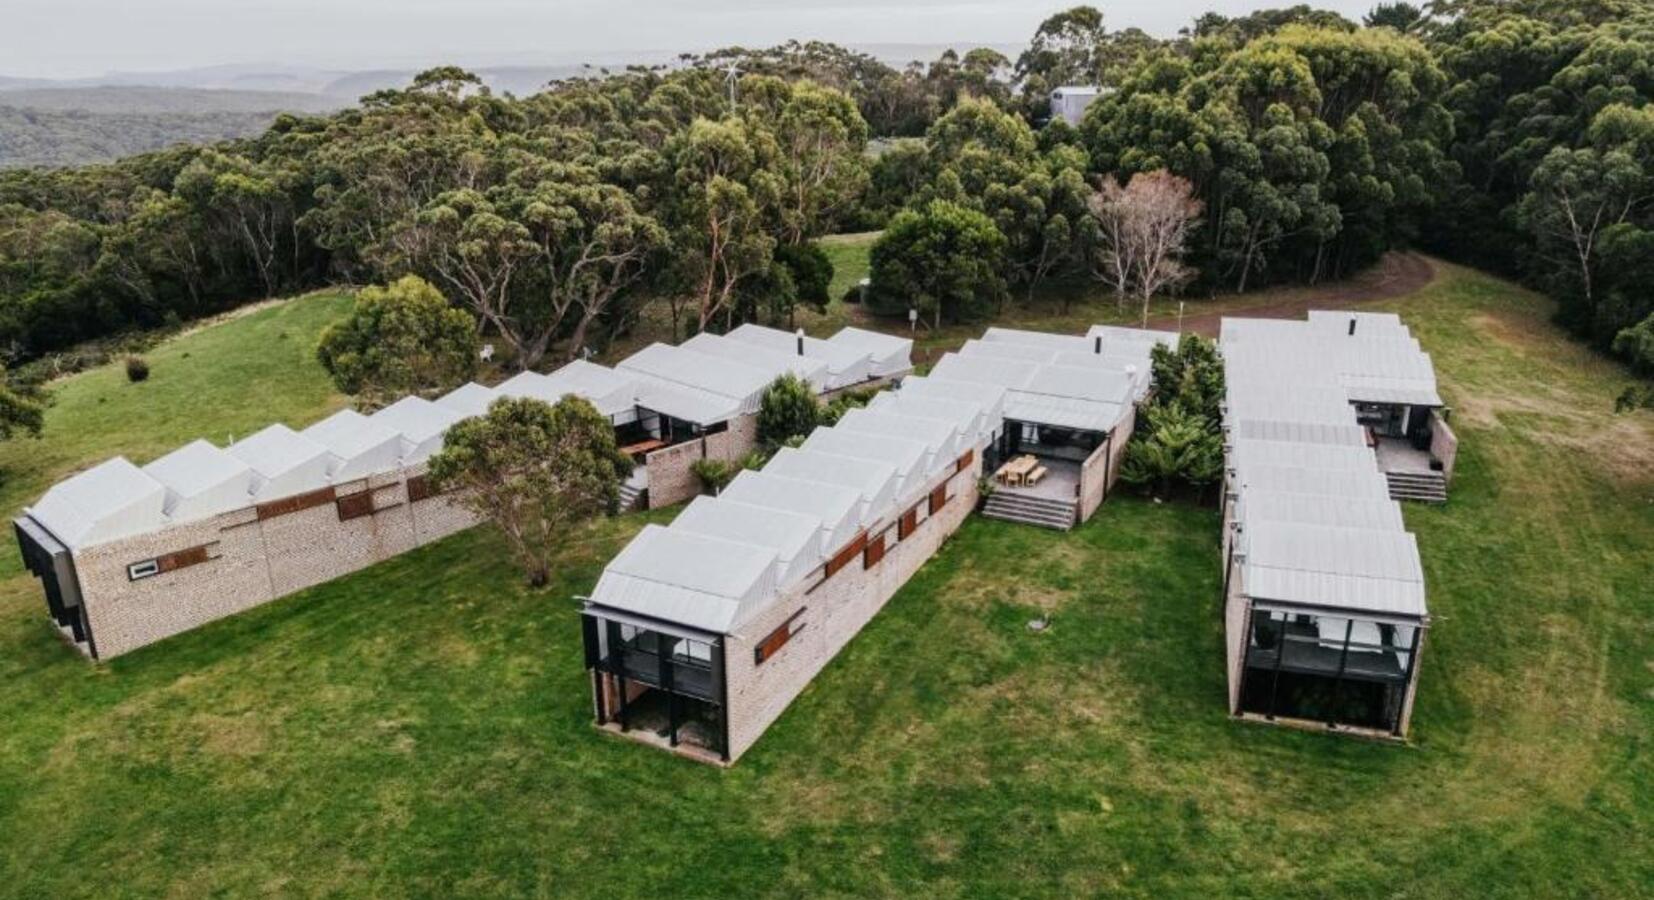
[(77, 38)]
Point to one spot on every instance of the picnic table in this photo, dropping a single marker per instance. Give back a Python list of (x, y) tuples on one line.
[(1013, 472)]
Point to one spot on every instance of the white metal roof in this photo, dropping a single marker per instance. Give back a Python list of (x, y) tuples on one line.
[(795, 538), (112, 500), (742, 385), (688, 578), (1347, 435), (421, 424), (1342, 568), (989, 397), (845, 365), (1006, 373), (202, 481), (1316, 525), (1247, 452), (941, 435), (774, 362), (836, 507), (875, 482), (287, 462), (966, 417), (608, 390), (1319, 509), (469, 399), (684, 402), (891, 355), (360, 446), (911, 459), (1032, 353), (1042, 339), (1117, 334), (1357, 484)]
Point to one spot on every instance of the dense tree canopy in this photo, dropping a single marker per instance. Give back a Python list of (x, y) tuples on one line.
[(1514, 134)]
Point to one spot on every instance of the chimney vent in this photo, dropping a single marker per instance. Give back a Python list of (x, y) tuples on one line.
[(1352, 326), (800, 342), (1097, 347)]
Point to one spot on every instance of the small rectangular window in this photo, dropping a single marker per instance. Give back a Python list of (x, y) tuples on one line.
[(143, 569)]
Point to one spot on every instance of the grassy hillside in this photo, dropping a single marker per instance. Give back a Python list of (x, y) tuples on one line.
[(423, 727), (218, 381)]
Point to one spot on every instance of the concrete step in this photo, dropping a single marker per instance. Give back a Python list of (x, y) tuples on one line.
[(1418, 486), (631, 497), (1035, 511)]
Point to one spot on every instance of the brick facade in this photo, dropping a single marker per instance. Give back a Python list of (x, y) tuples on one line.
[(251, 560), (832, 611), (670, 477), (1100, 471)]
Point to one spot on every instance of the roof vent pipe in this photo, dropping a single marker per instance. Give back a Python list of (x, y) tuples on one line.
[(800, 342), (1097, 346), (1352, 326)]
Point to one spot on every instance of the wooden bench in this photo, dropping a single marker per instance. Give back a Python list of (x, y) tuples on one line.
[(1033, 478)]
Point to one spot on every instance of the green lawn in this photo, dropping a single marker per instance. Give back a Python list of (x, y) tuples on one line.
[(223, 380), (423, 727)]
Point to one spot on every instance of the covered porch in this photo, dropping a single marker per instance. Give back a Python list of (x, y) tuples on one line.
[(1333, 670), (657, 682)]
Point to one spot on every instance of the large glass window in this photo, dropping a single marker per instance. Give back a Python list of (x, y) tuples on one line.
[(1337, 669)]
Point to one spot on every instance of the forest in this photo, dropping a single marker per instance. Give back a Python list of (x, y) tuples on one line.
[(1286, 146)]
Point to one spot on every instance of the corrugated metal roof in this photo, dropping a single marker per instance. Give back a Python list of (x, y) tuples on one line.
[(287, 462), (834, 505), (1343, 568), (421, 423), (109, 501), (1319, 509), (609, 391), (968, 420), (1350, 435), (741, 384), (890, 355), (845, 365), (912, 421), (1042, 339), (682, 402), (1247, 452), (776, 363), (909, 458), (1316, 525), (202, 481), (796, 539), (1339, 483), (875, 481), (989, 397), (470, 399), (1117, 334), (360, 446), (682, 576)]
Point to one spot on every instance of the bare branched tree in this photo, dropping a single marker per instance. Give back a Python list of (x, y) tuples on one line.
[(1143, 229)]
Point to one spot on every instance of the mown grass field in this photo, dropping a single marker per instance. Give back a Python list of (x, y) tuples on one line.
[(422, 728)]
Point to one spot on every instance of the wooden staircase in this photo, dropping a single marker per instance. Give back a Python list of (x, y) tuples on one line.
[(1040, 512), (1421, 487)]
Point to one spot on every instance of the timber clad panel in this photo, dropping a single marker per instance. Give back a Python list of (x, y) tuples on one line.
[(909, 522), (419, 488), (182, 559), (965, 461), (296, 503), (850, 552), (776, 639), (874, 553), (938, 498), (355, 506)]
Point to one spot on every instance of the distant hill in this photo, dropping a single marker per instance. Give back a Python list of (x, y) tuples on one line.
[(42, 137), (152, 99)]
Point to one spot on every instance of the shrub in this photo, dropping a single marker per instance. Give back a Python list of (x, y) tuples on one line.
[(136, 369), (715, 474), (945, 260), (401, 339), (789, 409)]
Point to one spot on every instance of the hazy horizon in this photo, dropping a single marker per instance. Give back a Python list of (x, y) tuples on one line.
[(79, 39)]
